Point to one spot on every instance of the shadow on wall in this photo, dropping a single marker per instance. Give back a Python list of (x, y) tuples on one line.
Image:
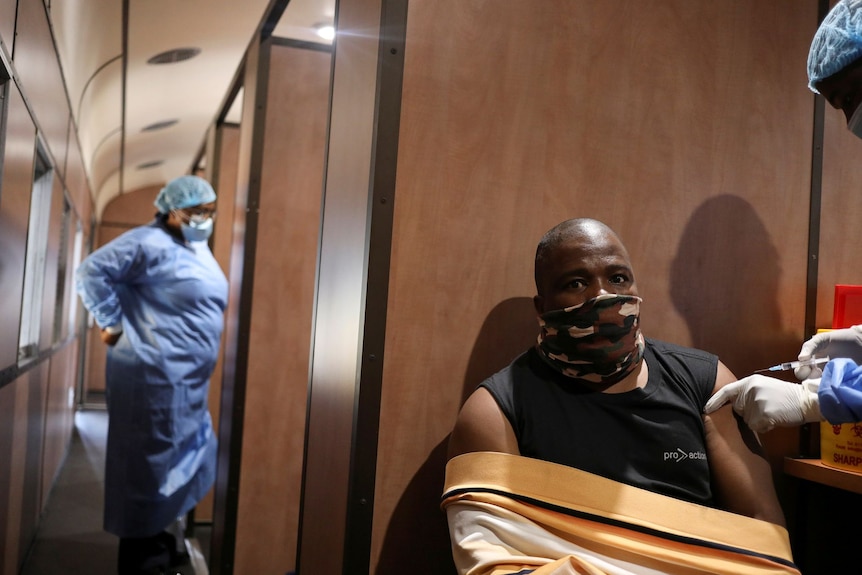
[(724, 282), (418, 535)]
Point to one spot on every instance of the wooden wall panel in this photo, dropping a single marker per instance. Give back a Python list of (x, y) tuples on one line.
[(235, 343), (7, 23), (23, 485), (94, 363), (32, 413), (225, 186), (841, 212), (131, 209), (13, 443), (684, 126), (13, 403), (59, 414), (15, 193), (291, 185), (224, 183), (41, 79)]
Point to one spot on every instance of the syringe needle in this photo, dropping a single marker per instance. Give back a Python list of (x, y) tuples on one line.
[(794, 364)]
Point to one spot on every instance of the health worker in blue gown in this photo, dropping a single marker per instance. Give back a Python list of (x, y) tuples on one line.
[(159, 297), (835, 72)]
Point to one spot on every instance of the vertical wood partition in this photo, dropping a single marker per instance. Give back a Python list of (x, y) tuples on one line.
[(237, 324), (222, 150), (292, 144), (275, 235)]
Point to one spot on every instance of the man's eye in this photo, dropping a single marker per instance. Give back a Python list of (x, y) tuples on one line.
[(619, 279), (576, 284)]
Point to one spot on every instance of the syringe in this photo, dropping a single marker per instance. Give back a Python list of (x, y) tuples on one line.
[(794, 364)]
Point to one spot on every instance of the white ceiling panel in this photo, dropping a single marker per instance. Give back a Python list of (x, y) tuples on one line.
[(89, 36)]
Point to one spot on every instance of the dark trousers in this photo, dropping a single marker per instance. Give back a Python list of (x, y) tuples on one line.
[(146, 555)]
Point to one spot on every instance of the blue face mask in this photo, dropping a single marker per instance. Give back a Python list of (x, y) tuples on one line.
[(198, 229)]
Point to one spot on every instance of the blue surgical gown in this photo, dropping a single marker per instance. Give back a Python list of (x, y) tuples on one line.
[(840, 391), (170, 297)]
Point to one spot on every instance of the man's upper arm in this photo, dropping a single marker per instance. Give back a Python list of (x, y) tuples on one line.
[(482, 426), (741, 476)]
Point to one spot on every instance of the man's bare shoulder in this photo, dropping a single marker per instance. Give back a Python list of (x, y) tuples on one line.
[(482, 426)]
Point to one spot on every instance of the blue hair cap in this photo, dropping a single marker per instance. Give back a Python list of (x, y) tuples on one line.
[(184, 192), (837, 43)]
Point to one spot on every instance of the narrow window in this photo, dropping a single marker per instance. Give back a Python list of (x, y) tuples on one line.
[(37, 249)]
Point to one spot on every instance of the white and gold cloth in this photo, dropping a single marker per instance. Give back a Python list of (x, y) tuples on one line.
[(513, 515)]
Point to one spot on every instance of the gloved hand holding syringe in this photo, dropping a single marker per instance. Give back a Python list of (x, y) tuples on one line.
[(811, 361), (765, 402)]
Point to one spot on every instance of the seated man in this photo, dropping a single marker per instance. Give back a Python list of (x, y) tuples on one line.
[(617, 470)]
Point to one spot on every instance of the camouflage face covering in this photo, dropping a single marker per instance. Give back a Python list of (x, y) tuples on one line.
[(597, 342)]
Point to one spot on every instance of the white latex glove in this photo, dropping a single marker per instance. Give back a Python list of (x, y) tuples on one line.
[(765, 402), (845, 342)]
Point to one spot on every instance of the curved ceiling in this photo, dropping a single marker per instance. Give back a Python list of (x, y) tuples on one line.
[(141, 124)]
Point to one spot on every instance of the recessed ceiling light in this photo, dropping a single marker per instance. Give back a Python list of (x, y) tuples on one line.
[(159, 125), (325, 31), (176, 55), (152, 164)]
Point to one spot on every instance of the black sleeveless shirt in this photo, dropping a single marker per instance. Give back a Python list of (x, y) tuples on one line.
[(651, 437)]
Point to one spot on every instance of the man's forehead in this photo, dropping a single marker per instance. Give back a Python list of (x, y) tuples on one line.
[(576, 255), (589, 241)]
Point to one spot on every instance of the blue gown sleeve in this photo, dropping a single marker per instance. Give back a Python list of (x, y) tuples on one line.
[(840, 391), (101, 274)]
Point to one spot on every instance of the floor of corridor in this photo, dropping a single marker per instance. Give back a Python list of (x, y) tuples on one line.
[(70, 539)]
